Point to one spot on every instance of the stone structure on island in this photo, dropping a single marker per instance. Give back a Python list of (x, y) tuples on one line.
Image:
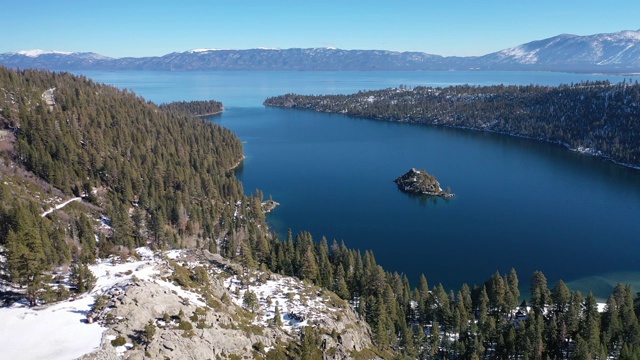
[(420, 182)]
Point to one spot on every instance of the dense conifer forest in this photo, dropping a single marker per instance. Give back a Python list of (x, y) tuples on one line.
[(147, 176), (484, 321), (150, 175), (599, 118), (197, 108)]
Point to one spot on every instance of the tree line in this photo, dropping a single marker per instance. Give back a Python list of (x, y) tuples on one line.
[(197, 108), (598, 117)]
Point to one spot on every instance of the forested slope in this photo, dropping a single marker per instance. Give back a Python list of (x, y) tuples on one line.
[(98, 137), (151, 175), (595, 117)]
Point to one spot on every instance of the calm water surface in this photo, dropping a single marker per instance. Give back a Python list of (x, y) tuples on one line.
[(519, 203)]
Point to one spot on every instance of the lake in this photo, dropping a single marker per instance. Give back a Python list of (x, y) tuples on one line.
[(519, 203)]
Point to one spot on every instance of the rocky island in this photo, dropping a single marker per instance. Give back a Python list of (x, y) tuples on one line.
[(420, 182)]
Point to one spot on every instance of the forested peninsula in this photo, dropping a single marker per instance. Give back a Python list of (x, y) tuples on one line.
[(598, 118), (196, 108), (140, 176)]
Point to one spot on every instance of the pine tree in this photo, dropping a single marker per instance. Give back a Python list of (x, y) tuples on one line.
[(82, 278), (628, 318), (590, 325), (553, 346), (407, 343), (434, 340), (540, 294), (149, 332), (423, 299), (443, 308), (246, 258), (534, 333), (26, 260), (326, 278), (309, 269), (250, 301), (561, 296), (581, 350), (512, 285), (381, 323), (570, 319), (497, 291), (277, 318), (340, 287), (310, 344), (611, 325)]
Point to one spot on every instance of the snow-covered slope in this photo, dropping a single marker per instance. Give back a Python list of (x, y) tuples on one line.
[(60, 331), (618, 50), (143, 289)]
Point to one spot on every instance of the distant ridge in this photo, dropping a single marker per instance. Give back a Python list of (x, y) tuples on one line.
[(617, 52)]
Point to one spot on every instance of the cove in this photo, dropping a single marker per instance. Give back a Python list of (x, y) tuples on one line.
[(519, 203)]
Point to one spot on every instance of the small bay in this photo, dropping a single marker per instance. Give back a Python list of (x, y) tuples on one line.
[(519, 203)]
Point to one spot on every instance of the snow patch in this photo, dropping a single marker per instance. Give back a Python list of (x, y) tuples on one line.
[(61, 331), (38, 52), (173, 254), (297, 306), (204, 50), (588, 151), (521, 55)]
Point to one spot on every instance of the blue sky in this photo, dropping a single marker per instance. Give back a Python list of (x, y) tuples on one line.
[(151, 28)]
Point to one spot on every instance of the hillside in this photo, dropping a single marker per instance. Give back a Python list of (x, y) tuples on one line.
[(599, 53), (596, 118), (120, 152), (138, 175), (197, 311)]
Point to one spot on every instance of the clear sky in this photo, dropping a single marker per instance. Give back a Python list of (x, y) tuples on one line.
[(136, 28)]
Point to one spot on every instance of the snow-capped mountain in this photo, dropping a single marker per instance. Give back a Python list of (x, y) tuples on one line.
[(615, 53), (38, 52)]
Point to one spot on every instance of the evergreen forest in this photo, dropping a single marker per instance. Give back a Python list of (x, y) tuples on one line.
[(157, 176), (197, 108), (598, 117), (145, 175)]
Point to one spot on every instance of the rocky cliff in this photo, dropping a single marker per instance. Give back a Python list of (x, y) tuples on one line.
[(197, 306)]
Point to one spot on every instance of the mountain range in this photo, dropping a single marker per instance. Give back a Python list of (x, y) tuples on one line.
[(600, 53)]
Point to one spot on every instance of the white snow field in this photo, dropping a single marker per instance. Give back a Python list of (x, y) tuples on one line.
[(60, 331)]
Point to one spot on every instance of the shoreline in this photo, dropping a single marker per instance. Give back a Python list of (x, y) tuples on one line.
[(210, 114), (238, 163), (591, 152), (581, 149)]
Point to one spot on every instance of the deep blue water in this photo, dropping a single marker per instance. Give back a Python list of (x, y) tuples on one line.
[(519, 203)]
